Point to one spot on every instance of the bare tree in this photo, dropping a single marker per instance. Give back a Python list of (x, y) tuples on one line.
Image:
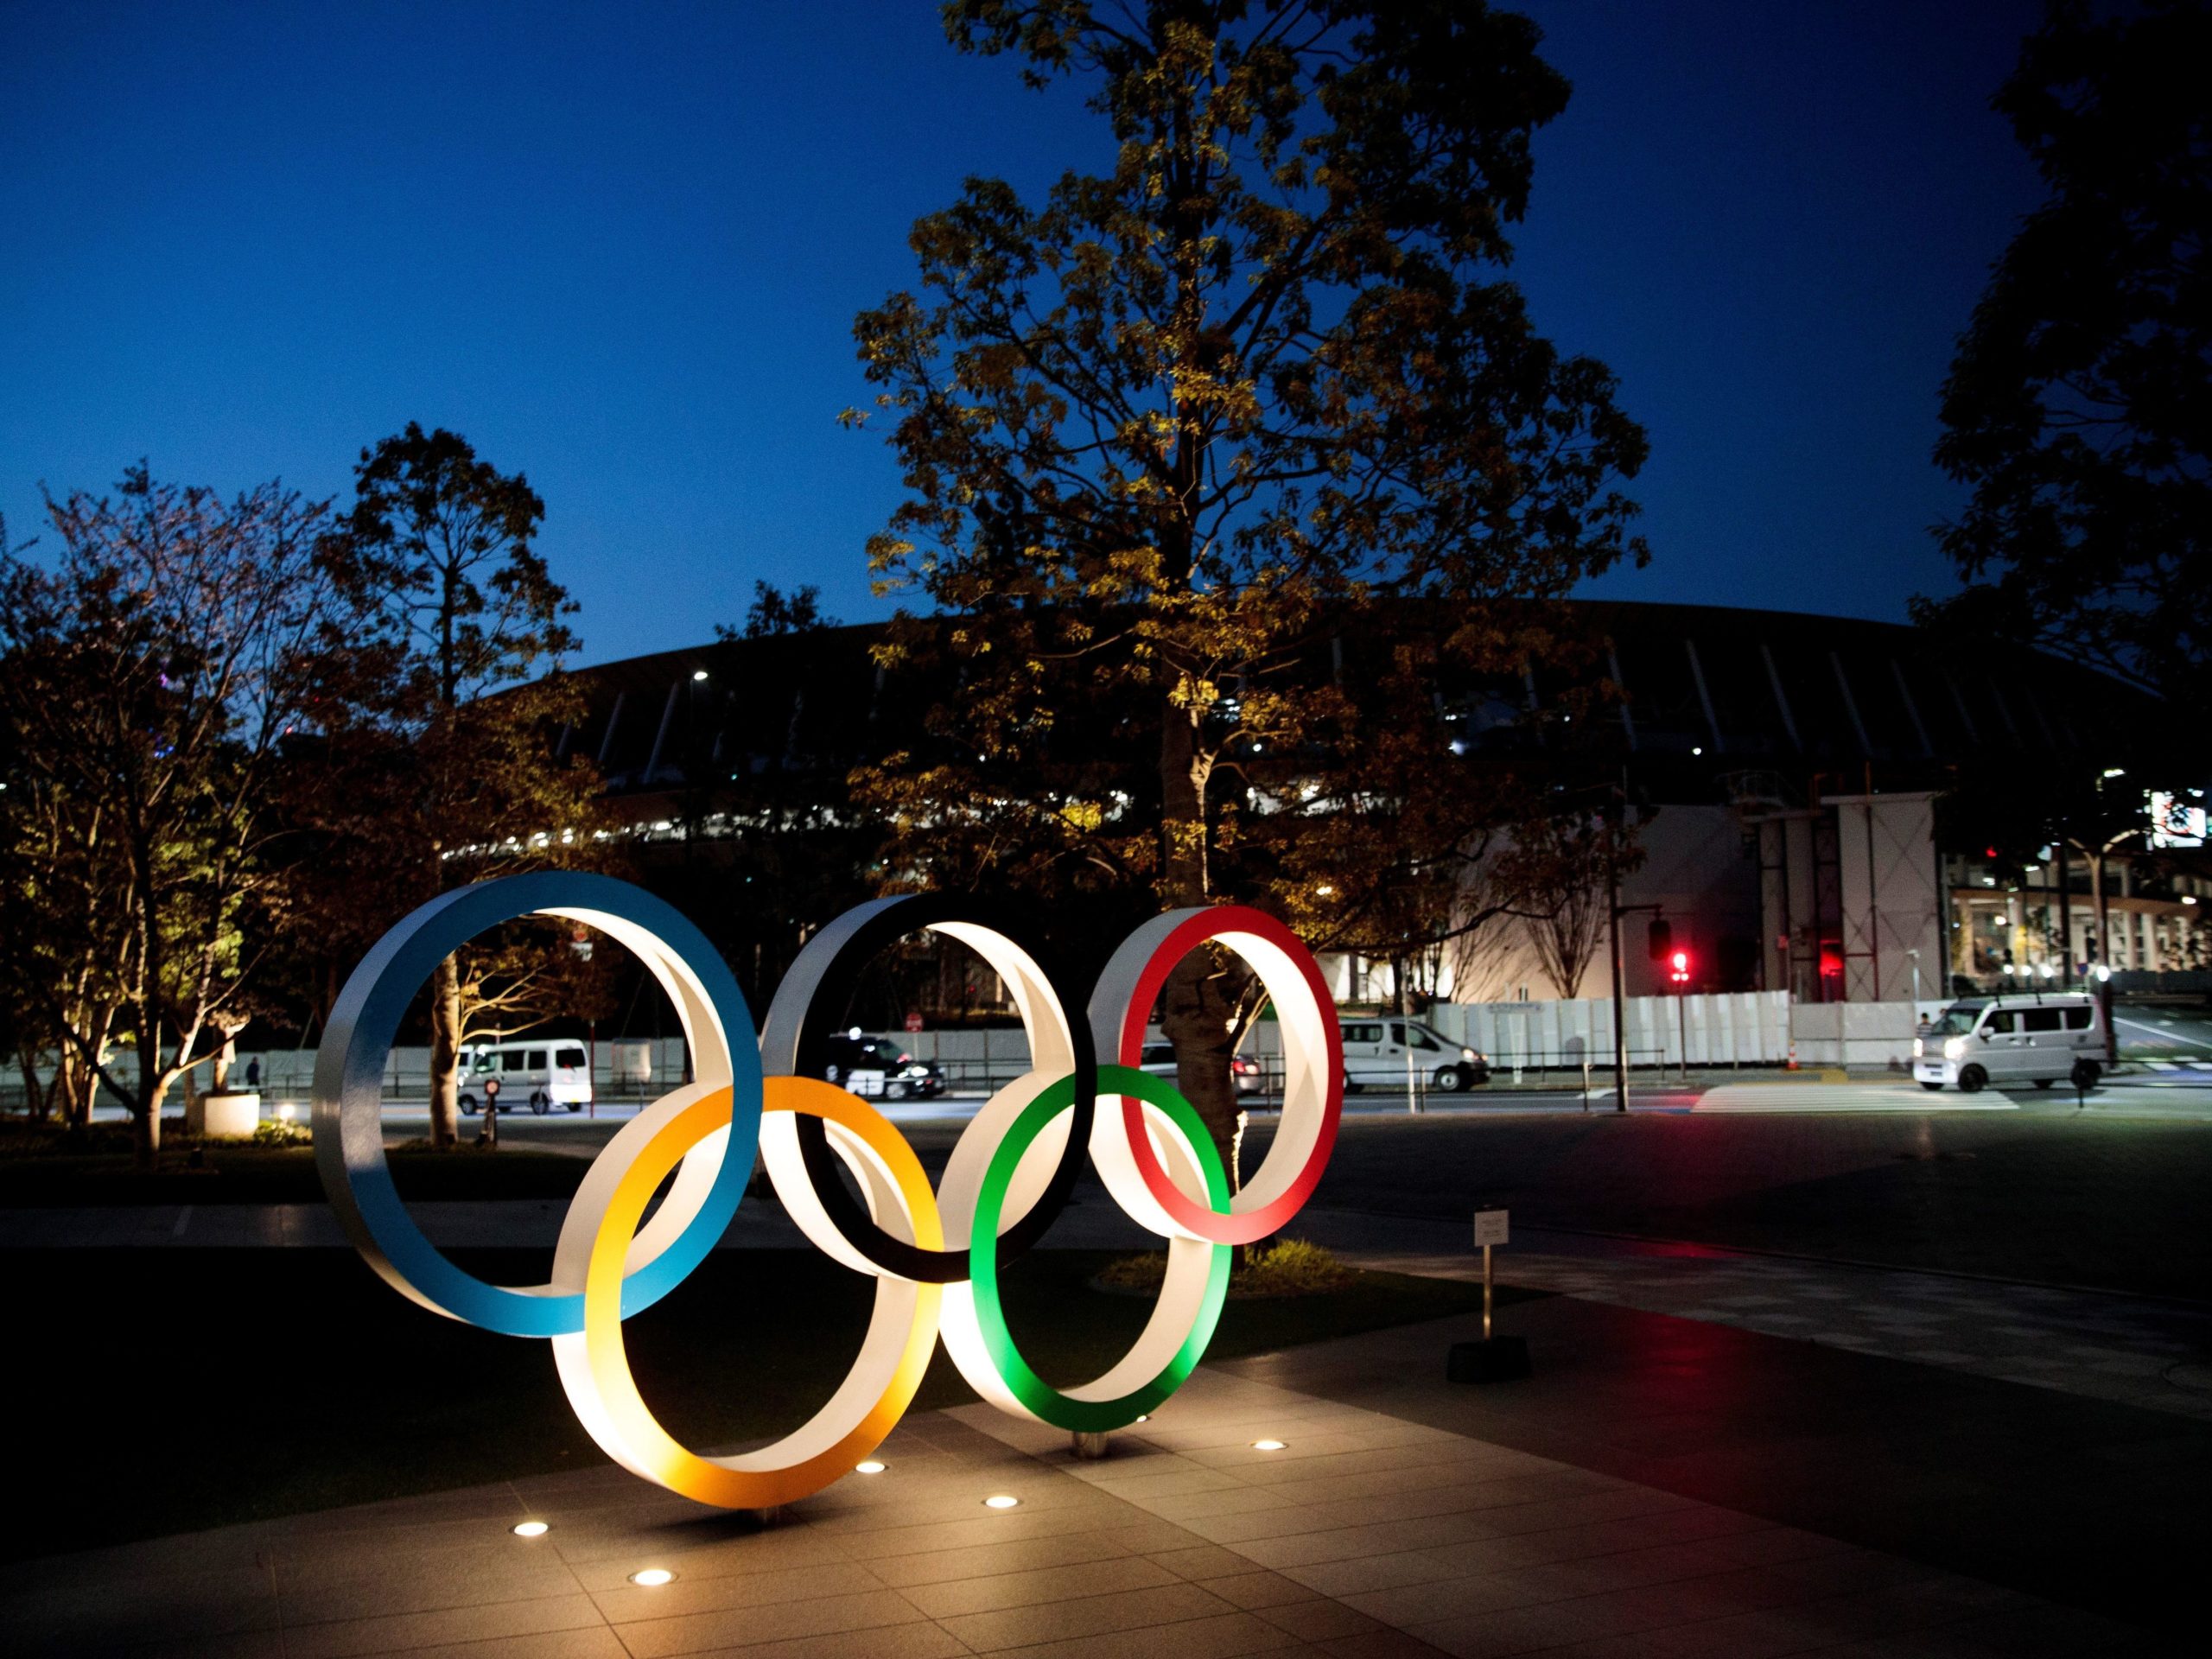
[(156, 671), (1558, 868)]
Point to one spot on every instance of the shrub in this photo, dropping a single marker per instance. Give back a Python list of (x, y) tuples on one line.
[(1290, 1266)]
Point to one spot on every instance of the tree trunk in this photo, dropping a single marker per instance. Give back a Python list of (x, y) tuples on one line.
[(146, 1113), (445, 1055), (84, 1089), (1198, 1015), (1183, 813), (38, 1102), (71, 1098), (77, 1079), (1199, 1003)]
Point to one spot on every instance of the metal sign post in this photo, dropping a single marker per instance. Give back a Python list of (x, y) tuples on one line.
[(1489, 1230), (1494, 1358)]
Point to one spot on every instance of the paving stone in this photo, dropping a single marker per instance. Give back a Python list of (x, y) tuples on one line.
[(1370, 1535)]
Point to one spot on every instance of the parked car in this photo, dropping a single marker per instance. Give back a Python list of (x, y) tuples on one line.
[(2036, 1037), (1379, 1053), (1246, 1074), (869, 1066), (540, 1074)]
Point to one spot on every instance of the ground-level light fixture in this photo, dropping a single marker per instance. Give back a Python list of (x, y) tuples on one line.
[(530, 1529), (1001, 1500), (871, 1467), (286, 1111), (652, 1577), (1267, 1446)]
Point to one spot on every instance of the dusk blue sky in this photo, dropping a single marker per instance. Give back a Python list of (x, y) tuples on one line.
[(621, 248)]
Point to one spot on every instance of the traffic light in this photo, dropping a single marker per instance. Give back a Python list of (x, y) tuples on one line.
[(1679, 962), (1662, 939)]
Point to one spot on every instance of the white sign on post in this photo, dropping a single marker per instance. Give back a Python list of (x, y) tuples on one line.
[(1490, 1227)]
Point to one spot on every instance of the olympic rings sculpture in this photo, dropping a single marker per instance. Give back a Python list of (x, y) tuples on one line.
[(935, 1255)]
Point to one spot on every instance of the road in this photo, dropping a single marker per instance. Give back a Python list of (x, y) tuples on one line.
[(2022, 1185)]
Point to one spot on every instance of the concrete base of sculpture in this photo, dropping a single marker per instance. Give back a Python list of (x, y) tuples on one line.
[(230, 1113)]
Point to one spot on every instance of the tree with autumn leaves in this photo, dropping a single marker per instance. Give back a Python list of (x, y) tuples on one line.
[(239, 738), (153, 673), (1225, 466)]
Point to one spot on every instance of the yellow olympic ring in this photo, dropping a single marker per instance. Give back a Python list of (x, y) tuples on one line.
[(595, 1368)]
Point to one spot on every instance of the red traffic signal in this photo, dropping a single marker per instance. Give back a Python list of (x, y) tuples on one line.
[(1681, 962)]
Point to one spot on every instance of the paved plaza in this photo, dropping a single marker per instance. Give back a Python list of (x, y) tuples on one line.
[(1992, 1444), (1365, 1533)]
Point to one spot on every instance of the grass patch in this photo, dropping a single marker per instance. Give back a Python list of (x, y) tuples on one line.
[(219, 1386)]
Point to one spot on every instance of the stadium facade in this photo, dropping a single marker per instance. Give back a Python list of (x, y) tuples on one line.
[(1791, 770)]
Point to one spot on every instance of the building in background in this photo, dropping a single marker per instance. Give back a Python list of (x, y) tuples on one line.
[(1789, 772)]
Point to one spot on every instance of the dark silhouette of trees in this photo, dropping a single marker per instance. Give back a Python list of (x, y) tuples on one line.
[(2079, 406), (448, 770)]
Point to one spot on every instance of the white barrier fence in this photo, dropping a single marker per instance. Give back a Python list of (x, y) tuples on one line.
[(1739, 1028), (1736, 1028), (624, 1068)]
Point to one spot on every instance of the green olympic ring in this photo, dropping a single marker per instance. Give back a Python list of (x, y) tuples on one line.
[(1197, 1271)]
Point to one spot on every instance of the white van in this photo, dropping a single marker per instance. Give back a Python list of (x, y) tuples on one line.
[(2033, 1037), (540, 1074), (1376, 1052)]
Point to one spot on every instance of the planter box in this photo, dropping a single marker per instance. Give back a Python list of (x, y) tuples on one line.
[(230, 1113)]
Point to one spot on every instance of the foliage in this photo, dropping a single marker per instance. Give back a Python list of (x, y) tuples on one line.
[(448, 768), (158, 671), (1289, 1267), (1172, 434), (1560, 869), (774, 611), (2075, 407)]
